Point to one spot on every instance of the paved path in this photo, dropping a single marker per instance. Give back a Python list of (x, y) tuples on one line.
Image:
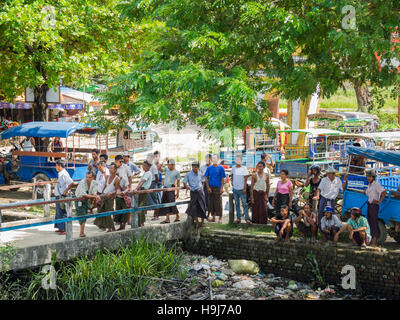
[(46, 234)]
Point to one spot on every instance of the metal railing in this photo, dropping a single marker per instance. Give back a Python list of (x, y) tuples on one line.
[(70, 217)]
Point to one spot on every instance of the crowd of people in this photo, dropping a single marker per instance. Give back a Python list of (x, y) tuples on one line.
[(317, 215), (109, 187)]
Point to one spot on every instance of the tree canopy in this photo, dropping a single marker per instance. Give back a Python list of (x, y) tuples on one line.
[(205, 61), (43, 41)]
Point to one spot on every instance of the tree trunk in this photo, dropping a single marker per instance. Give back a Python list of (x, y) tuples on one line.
[(363, 96), (39, 105)]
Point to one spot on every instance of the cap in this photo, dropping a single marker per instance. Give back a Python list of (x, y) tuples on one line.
[(371, 173), (315, 166), (171, 161), (356, 210), (328, 209), (195, 163), (331, 170), (126, 154)]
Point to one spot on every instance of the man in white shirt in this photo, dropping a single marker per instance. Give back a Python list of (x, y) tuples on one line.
[(239, 184), (101, 176), (64, 184), (327, 192), (153, 197), (123, 170), (144, 184), (87, 188), (133, 167)]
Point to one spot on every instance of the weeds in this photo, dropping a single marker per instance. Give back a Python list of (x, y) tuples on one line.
[(123, 275), (319, 276)]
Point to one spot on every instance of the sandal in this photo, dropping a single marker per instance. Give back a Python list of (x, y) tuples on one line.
[(177, 220), (248, 222), (236, 221), (164, 222), (82, 235)]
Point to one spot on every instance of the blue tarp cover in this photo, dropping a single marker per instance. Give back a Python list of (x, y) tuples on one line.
[(392, 157), (43, 129)]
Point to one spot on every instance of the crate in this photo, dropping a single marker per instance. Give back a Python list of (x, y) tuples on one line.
[(295, 152), (390, 183), (297, 169)]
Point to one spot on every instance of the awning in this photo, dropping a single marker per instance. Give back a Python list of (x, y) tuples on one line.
[(392, 157), (43, 129), (66, 106), (21, 105), (17, 105)]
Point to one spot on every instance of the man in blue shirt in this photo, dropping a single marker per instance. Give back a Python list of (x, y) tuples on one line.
[(197, 205), (215, 177), (132, 167)]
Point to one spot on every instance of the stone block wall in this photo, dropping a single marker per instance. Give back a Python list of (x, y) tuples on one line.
[(377, 273)]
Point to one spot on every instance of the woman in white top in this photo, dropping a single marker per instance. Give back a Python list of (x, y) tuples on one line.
[(259, 195), (107, 200), (28, 144)]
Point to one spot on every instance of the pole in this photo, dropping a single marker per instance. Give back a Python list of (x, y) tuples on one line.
[(398, 107), (231, 208), (46, 195), (68, 225)]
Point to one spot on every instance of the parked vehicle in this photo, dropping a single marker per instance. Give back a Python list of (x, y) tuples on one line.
[(38, 164), (132, 138), (325, 147), (255, 142), (347, 122), (385, 140), (387, 166)]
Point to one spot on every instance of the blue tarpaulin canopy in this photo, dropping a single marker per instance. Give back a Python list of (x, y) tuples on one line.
[(44, 129), (392, 157)]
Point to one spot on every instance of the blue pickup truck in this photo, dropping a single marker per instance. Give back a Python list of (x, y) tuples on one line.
[(38, 163), (387, 166)]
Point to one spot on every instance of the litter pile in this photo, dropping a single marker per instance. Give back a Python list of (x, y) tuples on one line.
[(210, 278)]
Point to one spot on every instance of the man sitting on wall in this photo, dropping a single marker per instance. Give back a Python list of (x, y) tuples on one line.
[(307, 222), (330, 224), (358, 229), (283, 224)]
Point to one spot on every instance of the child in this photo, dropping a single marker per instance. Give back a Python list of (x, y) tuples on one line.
[(283, 224)]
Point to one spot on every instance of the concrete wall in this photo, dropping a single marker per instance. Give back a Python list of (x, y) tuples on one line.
[(34, 256), (377, 273)]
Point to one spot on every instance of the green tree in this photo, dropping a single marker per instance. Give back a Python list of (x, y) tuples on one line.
[(201, 63), (205, 61), (43, 41), (338, 39)]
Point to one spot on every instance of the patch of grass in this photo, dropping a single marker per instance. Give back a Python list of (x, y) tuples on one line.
[(36, 210), (123, 275), (346, 100), (263, 230)]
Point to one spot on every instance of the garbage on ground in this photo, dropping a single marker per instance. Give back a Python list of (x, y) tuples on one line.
[(241, 280), (244, 266)]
